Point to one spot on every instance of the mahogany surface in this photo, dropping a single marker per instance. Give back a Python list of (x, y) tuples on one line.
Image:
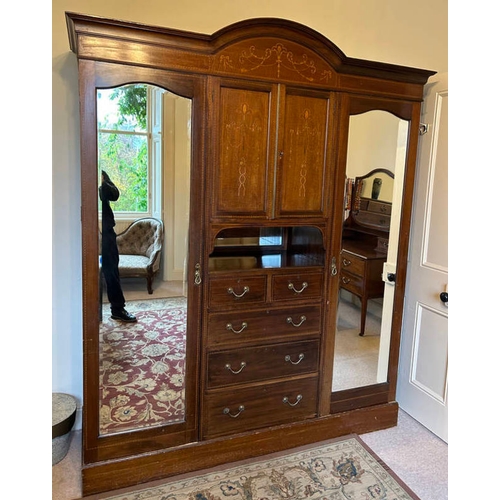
[(271, 102)]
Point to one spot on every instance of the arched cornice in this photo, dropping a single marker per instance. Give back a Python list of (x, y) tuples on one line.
[(238, 48)]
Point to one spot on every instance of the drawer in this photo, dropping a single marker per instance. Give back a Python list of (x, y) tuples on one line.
[(232, 411), (352, 263), (297, 286), (254, 364), (258, 326), (352, 283), (379, 207), (229, 291), (381, 220)]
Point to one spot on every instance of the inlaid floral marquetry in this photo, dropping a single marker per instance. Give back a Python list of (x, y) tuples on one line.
[(273, 59), (303, 161), (305, 136), (243, 150), (239, 133)]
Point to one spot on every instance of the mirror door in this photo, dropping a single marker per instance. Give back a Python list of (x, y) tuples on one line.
[(144, 151), (376, 155), (140, 134)]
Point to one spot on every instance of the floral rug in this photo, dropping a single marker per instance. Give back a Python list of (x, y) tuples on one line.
[(341, 469), (142, 366)]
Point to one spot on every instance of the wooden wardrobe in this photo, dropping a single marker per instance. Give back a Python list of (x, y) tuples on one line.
[(271, 102)]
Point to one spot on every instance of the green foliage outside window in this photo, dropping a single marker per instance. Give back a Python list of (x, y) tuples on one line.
[(124, 156)]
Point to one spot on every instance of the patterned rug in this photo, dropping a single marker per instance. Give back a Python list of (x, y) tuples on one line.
[(341, 469), (142, 366)]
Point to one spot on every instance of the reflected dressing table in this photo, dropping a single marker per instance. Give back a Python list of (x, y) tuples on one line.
[(365, 242)]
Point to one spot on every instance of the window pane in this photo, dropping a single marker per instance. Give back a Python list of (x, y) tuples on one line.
[(123, 108), (124, 157)]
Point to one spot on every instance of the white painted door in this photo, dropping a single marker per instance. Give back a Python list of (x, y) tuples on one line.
[(423, 368)]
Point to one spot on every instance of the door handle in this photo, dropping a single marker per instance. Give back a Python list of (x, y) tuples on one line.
[(444, 298)]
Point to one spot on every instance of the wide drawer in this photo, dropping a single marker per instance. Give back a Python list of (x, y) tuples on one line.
[(254, 364), (243, 410), (352, 263), (297, 286), (228, 291), (381, 220), (351, 282), (258, 326)]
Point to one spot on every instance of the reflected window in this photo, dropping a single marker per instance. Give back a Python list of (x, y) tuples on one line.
[(126, 134), (145, 147)]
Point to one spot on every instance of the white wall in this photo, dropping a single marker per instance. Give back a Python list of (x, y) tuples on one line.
[(389, 31)]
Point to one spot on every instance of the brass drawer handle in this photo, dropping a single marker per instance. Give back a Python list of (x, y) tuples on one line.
[(289, 320), (229, 326), (287, 401), (242, 365), (289, 359), (227, 411), (345, 280), (346, 262), (238, 296), (292, 287)]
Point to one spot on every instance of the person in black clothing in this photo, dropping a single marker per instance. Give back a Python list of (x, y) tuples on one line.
[(110, 257)]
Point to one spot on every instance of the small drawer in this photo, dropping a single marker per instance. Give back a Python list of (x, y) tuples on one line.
[(254, 364), (297, 286), (352, 283), (259, 326), (379, 207), (247, 409), (352, 263), (228, 291)]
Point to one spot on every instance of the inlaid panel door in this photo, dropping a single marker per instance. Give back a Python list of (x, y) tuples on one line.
[(272, 146), (303, 153), (244, 145)]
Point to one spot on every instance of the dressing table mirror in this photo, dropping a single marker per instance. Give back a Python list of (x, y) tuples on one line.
[(258, 128)]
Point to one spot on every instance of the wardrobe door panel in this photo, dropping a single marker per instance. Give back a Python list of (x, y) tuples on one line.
[(303, 154), (243, 169)]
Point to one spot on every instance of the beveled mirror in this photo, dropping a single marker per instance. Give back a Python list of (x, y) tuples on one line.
[(144, 148), (376, 157)]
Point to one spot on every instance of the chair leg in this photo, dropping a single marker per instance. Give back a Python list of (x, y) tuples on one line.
[(364, 308), (150, 284)]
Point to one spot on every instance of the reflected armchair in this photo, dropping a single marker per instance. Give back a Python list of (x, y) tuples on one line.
[(140, 247)]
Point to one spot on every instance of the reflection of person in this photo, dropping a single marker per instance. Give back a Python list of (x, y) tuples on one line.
[(110, 257)]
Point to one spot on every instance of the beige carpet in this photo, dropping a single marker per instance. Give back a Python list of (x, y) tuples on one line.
[(416, 455), (356, 357)]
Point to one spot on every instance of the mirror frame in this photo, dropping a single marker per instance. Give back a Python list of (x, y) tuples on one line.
[(354, 214), (350, 105), (94, 76)]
